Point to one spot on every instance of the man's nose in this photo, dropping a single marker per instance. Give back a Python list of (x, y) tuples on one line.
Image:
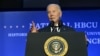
[(51, 15)]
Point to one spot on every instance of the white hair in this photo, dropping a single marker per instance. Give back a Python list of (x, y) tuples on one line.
[(59, 8)]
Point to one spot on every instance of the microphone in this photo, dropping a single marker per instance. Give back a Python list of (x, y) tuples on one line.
[(60, 23), (55, 28), (51, 24)]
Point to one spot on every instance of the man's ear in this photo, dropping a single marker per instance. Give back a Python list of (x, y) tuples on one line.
[(60, 14)]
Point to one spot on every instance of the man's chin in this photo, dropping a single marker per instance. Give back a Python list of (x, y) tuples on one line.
[(54, 20)]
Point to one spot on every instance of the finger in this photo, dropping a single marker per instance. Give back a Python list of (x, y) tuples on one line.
[(33, 24)]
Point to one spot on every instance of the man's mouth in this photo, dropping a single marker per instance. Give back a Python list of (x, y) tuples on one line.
[(52, 18)]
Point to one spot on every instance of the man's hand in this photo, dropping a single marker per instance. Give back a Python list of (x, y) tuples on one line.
[(33, 28)]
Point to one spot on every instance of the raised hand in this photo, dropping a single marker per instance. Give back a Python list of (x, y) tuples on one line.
[(33, 28)]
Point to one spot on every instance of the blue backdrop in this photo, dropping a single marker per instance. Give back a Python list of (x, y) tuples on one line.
[(14, 26)]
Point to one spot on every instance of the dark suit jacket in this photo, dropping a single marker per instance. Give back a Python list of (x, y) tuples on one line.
[(62, 28)]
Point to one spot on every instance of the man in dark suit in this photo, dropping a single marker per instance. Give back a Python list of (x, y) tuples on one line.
[(55, 25)]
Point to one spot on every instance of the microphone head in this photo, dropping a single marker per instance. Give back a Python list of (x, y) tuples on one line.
[(60, 23), (51, 23)]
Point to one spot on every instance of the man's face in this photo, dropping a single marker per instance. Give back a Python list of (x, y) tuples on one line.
[(54, 13)]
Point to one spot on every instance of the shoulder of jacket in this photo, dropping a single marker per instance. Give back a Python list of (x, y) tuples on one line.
[(68, 28)]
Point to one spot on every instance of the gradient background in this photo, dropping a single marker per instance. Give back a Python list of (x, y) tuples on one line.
[(20, 21)]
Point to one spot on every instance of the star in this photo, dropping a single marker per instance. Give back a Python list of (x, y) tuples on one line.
[(17, 26), (5, 27), (23, 26), (11, 26)]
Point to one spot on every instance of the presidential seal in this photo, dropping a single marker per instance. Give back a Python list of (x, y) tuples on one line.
[(56, 46)]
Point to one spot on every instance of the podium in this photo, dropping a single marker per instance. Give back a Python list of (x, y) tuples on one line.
[(74, 45)]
